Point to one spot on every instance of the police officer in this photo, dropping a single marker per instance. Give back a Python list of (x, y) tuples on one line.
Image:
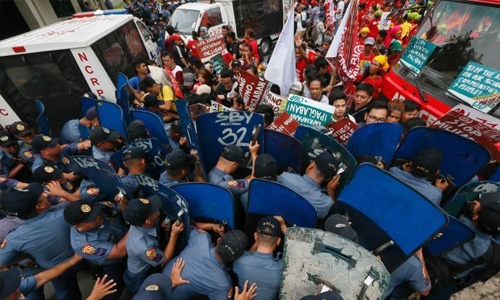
[(134, 160), (178, 165), (56, 184), (25, 133), (105, 142), (77, 130), (259, 265), (322, 169), (11, 165), (143, 249), (44, 235), (228, 163), (98, 239)]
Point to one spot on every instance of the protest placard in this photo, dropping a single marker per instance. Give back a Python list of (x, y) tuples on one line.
[(276, 102), (285, 124), (252, 89), (209, 47), (417, 54), (215, 106), (342, 130), (308, 112), (218, 63)]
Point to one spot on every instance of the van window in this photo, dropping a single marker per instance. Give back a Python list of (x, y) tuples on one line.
[(211, 18), (119, 49)]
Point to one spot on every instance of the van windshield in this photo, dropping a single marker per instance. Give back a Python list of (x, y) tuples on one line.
[(184, 20), (462, 32)]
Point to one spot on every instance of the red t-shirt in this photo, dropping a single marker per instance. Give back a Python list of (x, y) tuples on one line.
[(299, 68), (191, 45), (255, 48)]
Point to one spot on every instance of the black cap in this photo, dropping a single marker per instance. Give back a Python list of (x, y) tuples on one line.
[(133, 152), (236, 63), (21, 129), (137, 130), (7, 139), (269, 226), (427, 162), (327, 164), (21, 202), (339, 225), (10, 280), (45, 174), (266, 167), (489, 215), (41, 142), (151, 100), (232, 153), (178, 160), (102, 134), (81, 211), (331, 295), (157, 286), (231, 246), (140, 209)]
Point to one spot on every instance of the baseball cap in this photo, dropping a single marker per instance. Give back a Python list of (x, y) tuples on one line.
[(327, 164), (151, 100), (178, 160), (370, 41), (331, 295), (489, 215), (7, 139), (42, 141), (339, 225), (231, 246), (140, 209), (10, 280), (102, 134), (137, 130), (236, 63), (203, 89), (81, 211), (188, 79), (47, 173), (91, 113), (269, 226), (21, 202), (426, 162), (156, 286), (176, 37), (266, 167), (132, 152), (296, 88), (232, 153), (21, 129)]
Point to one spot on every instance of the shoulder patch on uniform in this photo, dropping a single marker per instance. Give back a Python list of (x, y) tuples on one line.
[(2, 179), (4, 243), (152, 288), (28, 154), (232, 183), (65, 160), (153, 255), (93, 191), (88, 249)]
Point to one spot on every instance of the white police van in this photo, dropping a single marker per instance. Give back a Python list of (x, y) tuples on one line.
[(58, 63)]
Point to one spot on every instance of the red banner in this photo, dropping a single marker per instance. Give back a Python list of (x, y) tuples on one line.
[(252, 89), (342, 130), (209, 47), (285, 124), (175, 84), (462, 125)]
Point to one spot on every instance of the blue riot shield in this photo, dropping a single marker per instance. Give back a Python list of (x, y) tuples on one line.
[(155, 156), (285, 149), (103, 176), (315, 143), (153, 123), (452, 236), (384, 211), (173, 207), (111, 116), (467, 193), (208, 200), (122, 96), (43, 119), (379, 140), (219, 129), (314, 259), (462, 158)]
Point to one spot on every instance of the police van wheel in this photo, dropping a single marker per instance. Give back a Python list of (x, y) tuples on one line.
[(265, 46)]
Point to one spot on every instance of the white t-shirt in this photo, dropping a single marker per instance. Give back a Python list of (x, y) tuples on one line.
[(340, 10), (299, 18)]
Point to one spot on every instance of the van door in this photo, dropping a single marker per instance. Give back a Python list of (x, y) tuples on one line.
[(147, 39), (213, 20)]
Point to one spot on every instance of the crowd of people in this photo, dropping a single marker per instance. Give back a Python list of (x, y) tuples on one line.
[(55, 221)]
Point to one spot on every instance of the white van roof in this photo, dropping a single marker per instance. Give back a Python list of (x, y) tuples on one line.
[(73, 33)]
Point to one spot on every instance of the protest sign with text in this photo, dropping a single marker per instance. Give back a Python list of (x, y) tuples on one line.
[(308, 112), (252, 89), (285, 124), (342, 130), (210, 47), (276, 102)]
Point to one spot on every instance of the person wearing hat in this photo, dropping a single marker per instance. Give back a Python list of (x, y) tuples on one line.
[(23, 131), (58, 187), (475, 260), (11, 163), (136, 130), (323, 168), (236, 67), (143, 248), (134, 159), (416, 173), (50, 153), (188, 84), (105, 142), (178, 165), (259, 266), (159, 286), (229, 160), (176, 138), (367, 55), (77, 130), (99, 240), (206, 264), (179, 51), (44, 235)]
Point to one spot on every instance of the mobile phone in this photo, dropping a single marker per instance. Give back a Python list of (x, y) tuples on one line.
[(255, 133)]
